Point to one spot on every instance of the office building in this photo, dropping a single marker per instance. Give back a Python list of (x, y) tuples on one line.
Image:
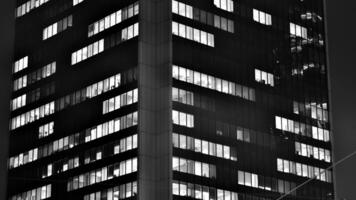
[(170, 99)]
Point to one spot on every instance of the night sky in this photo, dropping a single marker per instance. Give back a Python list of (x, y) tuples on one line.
[(342, 51)]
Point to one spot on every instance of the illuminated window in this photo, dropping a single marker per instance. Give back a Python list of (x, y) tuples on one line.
[(57, 27), (119, 101), (262, 17), (183, 119), (113, 19), (213, 83), (20, 64), (45, 130), (298, 31), (194, 34), (227, 5), (264, 77)]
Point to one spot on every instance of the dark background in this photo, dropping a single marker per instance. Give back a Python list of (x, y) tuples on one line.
[(342, 51)]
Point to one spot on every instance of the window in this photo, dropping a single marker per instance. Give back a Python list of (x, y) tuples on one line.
[(18, 102), (314, 110), (190, 33), (57, 27), (40, 193), (113, 19), (82, 54), (248, 179), (125, 190), (183, 119), (75, 2), (311, 151), (20, 64), (196, 191), (182, 96), (129, 32), (85, 136), (119, 101), (45, 130), (264, 77), (32, 115), (200, 168), (103, 174), (298, 31), (213, 83), (29, 6), (20, 83), (302, 170), (227, 5), (291, 126), (262, 17), (182, 9), (42, 73)]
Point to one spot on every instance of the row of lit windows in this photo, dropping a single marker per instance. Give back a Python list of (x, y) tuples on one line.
[(32, 4), (313, 110), (57, 27), (91, 155), (119, 101), (75, 2), (98, 46), (262, 17), (71, 141), (77, 97), (88, 92), (119, 192), (183, 119), (113, 19), (304, 170), (35, 76), (194, 34), (130, 32), (20, 83), (248, 179), (182, 96), (302, 129), (103, 174), (117, 147), (32, 115), (213, 83), (88, 51), (193, 167), (20, 64), (264, 77), (197, 191), (110, 127), (45, 130), (43, 192), (42, 73), (227, 5), (203, 146), (265, 183), (28, 6), (313, 152), (182, 9), (59, 166), (298, 31), (18, 102), (188, 11)]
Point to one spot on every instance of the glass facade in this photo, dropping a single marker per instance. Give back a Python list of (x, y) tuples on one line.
[(169, 100)]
